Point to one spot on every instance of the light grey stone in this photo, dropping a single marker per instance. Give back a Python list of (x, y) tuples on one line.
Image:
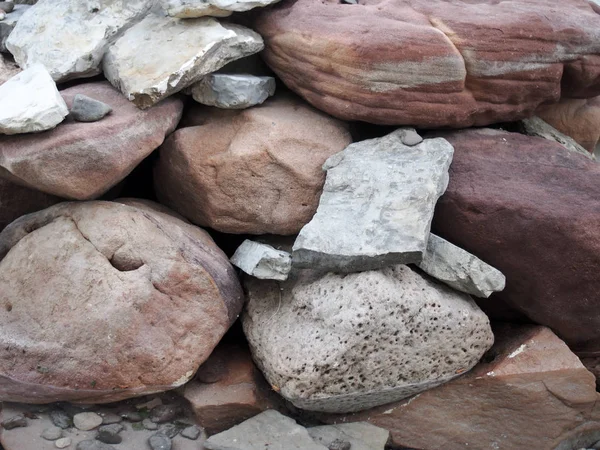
[(460, 269), (360, 435), (86, 421), (347, 342), (217, 8), (262, 261), (149, 425), (7, 7), (86, 109), (233, 91), (70, 37), (8, 24), (192, 432), (30, 102), (377, 205), (183, 51), (269, 429), (63, 442), (535, 126), (52, 433), (160, 441), (2, 15)]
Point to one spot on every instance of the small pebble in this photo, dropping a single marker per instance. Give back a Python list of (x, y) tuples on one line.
[(164, 413), (109, 434), (7, 7), (87, 421), (52, 433), (338, 444), (159, 441), (110, 418), (17, 421), (60, 419), (170, 430), (63, 442), (149, 425), (132, 416), (93, 445), (192, 432), (411, 138), (151, 404), (86, 109)]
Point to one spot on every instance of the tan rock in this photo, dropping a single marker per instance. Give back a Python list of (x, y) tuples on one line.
[(103, 301), (251, 171)]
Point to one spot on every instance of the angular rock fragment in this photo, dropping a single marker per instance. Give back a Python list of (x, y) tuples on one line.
[(459, 269), (262, 261), (187, 9), (8, 24), (346, 342), (233, 91), (535, 126), (70, 37), (377, 205), (359, 435), (86, 109), (183, 51), (30, 102)]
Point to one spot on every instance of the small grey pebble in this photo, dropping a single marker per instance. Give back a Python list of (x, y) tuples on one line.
[(63, 442), (109, 434), (338, 444), (7, 7), (60, 419), (132, 416), (52, 433), (17, 421), (86, 109), (87, 421), (92, 444), (192, 432), (164, 413), (110, 418), (411, 138), (159, 441), (149, 425), (170, 430)]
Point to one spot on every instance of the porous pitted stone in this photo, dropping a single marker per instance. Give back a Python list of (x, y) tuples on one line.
[(233, 91)]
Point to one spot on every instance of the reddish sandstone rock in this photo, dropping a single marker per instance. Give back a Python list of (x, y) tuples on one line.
[(432, 63), (530, 208), (16, 201)]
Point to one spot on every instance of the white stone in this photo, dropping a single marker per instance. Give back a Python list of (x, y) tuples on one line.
[(70, 37), (233, 91), (183, 51), (187, 9), (361, 435), (347, 342), (262, 261), (377, 205), (30, 102), (63, 442), (460, 269), (9, 23), (87, 421)]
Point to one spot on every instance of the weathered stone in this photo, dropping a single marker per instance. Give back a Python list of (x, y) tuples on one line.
[(61, 419), (262, 261), (233, 91), (149, 425), (338, 444), (8, 24), (171, 430), (110, 418), (30, 102), (377, 205), (229, 174), (187, 9), (542, 233), (459, 269), (359, 436), (534, 126), (109, 434), (52, 433), (159, 441), (192, 432), (18, 421), (86, 109), (70, 37), (269, 429), (529, 379), (144, 298), (7, 7), (87, 421), (63, 442), (203, 46), (164, 413), (84, 160), (346, 342), (8, 69)]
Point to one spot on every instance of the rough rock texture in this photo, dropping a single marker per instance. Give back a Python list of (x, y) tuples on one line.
[(459, 269), (233, 91), (535, 126), (529, 392), (230, 174), (579, 119), (187, 9), (360, 435), (531, 209), (377, 205), (340, 343), (86, 109), (262, 261), (70, 37), (433, 63), (103, 301), (84, 160), (229, 389), (8, 24), (30, 102), (8, 69), (269, 429), (202, 46)]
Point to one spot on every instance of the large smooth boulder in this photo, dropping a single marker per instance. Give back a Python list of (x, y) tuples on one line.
[(250, 171), (16, 201), (531, 209), (84, 160), (103, 301), (432, 63), (347, 342)]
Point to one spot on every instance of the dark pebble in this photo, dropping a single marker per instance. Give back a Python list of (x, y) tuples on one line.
[(164, 413), (61, 419), (17, 421)]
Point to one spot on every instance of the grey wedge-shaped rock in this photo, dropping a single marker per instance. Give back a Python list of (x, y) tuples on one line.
[(87, 109), (377, 205), (360, 436), (183, 51), (187, 9), (10, 22), (535, 126), (262, 261), (269, 429), (233, 91), (459, 269)]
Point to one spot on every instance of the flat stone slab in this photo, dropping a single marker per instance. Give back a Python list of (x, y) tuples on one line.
[(233, 91), (377, 205), (262, 261), (360, 435), (218, 8)]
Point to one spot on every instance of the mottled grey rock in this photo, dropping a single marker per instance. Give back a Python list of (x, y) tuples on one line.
[(164, 413), (357, 436), (203, 46), (217, 8), (7, 7), (377, 205), (262, 261), (63, 442), (70, 37), (149, 425), (347, 342), (86, 421), (535, 126), (52, 433), (269, 429), (86, 109), (109, 434), (160, 441), (233, 91), (8, 24), (60, 419), (171, 429), (110, 418), (192, 432), (30, 102), (17, 421), (91, 444), (410, 137)]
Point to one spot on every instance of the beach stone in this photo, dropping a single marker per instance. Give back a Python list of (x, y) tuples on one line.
[(164, 413), (86, 109), (30, 102), (187, 9), (160, 442), (45, 34), (7, 25), (225, 172), (52, 434), (347, 342), (109, 434), (346, 436), (63, 442), (233, 91), (86, 421), (149, 425), (203, 46), (60, 419), (18, 421), (7, 7), (130, 268), (534, 126), (262, 261), (110, 418), (377, 205), (192, 432)]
